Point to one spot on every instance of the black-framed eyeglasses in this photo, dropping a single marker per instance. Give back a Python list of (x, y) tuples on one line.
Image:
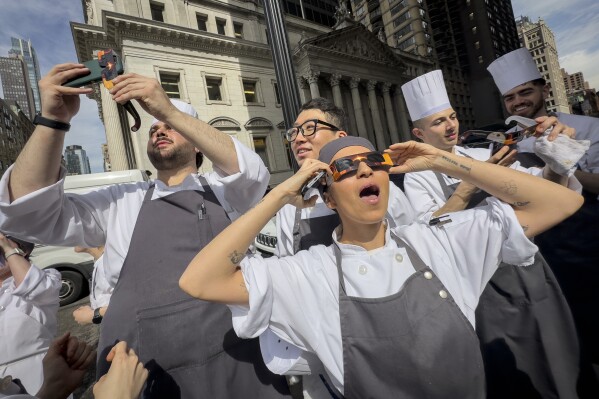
[(308, 128)]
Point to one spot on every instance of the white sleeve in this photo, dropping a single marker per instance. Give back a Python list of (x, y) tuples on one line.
[(419, 191), (284, 224), (101, 287), (400, 209), (466, 251), (55, 218), (285, 296), (40, 287), (243, 189)]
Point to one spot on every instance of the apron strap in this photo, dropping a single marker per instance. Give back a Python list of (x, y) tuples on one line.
[(447, 192), (296, 230)]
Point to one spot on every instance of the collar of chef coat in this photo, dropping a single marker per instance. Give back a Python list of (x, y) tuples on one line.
[(191, 182), (351, 249)]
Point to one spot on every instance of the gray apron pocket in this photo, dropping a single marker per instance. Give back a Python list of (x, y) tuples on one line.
[(195, 333)]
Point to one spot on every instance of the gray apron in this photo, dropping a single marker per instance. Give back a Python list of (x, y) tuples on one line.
[(308, 232), (416, 343), (188, 345), (526, 330)]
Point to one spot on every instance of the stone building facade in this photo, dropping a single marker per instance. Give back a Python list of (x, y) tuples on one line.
[(215, 55), (15, 130)]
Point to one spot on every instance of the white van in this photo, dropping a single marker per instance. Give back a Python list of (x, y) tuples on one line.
[(76, 268)]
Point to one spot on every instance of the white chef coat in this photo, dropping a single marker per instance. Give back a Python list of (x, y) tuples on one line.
[(107, 216), (399, 212), (426, 194), (28, 323), (101, 290), (297, 297)]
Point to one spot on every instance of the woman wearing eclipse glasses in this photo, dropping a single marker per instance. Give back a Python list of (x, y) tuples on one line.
[(388, 311)]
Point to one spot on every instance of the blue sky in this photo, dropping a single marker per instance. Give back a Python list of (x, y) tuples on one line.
[(575, 24)]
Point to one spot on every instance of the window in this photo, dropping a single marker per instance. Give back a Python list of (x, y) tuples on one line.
[(213, 86), (157, 10), (477, 45), (170, 84), (401, 19), (250, 91), (220, 26), (474, 30), (238, 30), (277, 94), (403, 31), (202, 19), (402, 46), (261, 149)]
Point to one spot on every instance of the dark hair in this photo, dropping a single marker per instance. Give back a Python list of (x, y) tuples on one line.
[(335, 115), (24, 246), (199, 159), (539, 82)]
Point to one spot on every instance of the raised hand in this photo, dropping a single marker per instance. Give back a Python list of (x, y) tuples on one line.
[(59, 102), (147, 91), (290, 188), (504, 157), (412, 156)]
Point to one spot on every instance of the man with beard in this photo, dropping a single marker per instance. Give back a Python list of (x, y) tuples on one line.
[(151, 232), (570, 248)]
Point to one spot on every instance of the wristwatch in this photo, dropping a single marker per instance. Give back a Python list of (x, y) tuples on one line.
[(97, 319), (14, 251), (40, 120)]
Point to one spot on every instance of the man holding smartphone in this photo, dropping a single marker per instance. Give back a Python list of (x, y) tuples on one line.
[(151, 231)]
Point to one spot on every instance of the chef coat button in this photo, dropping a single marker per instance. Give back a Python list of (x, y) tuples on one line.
[(443, 294), (399, 257), (428, 275), (362, 269), (1, 308)]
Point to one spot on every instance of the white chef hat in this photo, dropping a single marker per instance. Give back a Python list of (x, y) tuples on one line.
[(513, 69), (426, 95), (181, 106)]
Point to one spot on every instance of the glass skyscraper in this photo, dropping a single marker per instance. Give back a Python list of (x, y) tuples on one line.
[(24, 48)]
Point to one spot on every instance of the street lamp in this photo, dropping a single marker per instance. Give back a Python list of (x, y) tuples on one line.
[(284, 71)]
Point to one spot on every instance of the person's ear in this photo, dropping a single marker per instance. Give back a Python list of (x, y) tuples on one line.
[(545, 92), (418, 133), (328, 200), (341, 133)]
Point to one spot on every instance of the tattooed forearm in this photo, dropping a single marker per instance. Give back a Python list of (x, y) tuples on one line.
[(459, 165), (447, 159), (520, 203), (509, 187), (236, 257)]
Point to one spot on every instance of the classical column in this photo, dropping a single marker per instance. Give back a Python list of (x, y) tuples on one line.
[(404, 128), (304, 90), (354, 85), (376, 117), (114, 133), (334, 80), (312, 78), (389, 112)]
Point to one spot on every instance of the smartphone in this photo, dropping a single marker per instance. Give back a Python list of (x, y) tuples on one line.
[(95, 74), (312, 182)]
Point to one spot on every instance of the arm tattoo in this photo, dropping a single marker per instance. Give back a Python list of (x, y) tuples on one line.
[(459, 165), (235, 257), (509, 187), (447, 159), (521, 203)]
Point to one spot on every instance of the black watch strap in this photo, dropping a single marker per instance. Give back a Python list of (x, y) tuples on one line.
[(97, 319), (40, 120)]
